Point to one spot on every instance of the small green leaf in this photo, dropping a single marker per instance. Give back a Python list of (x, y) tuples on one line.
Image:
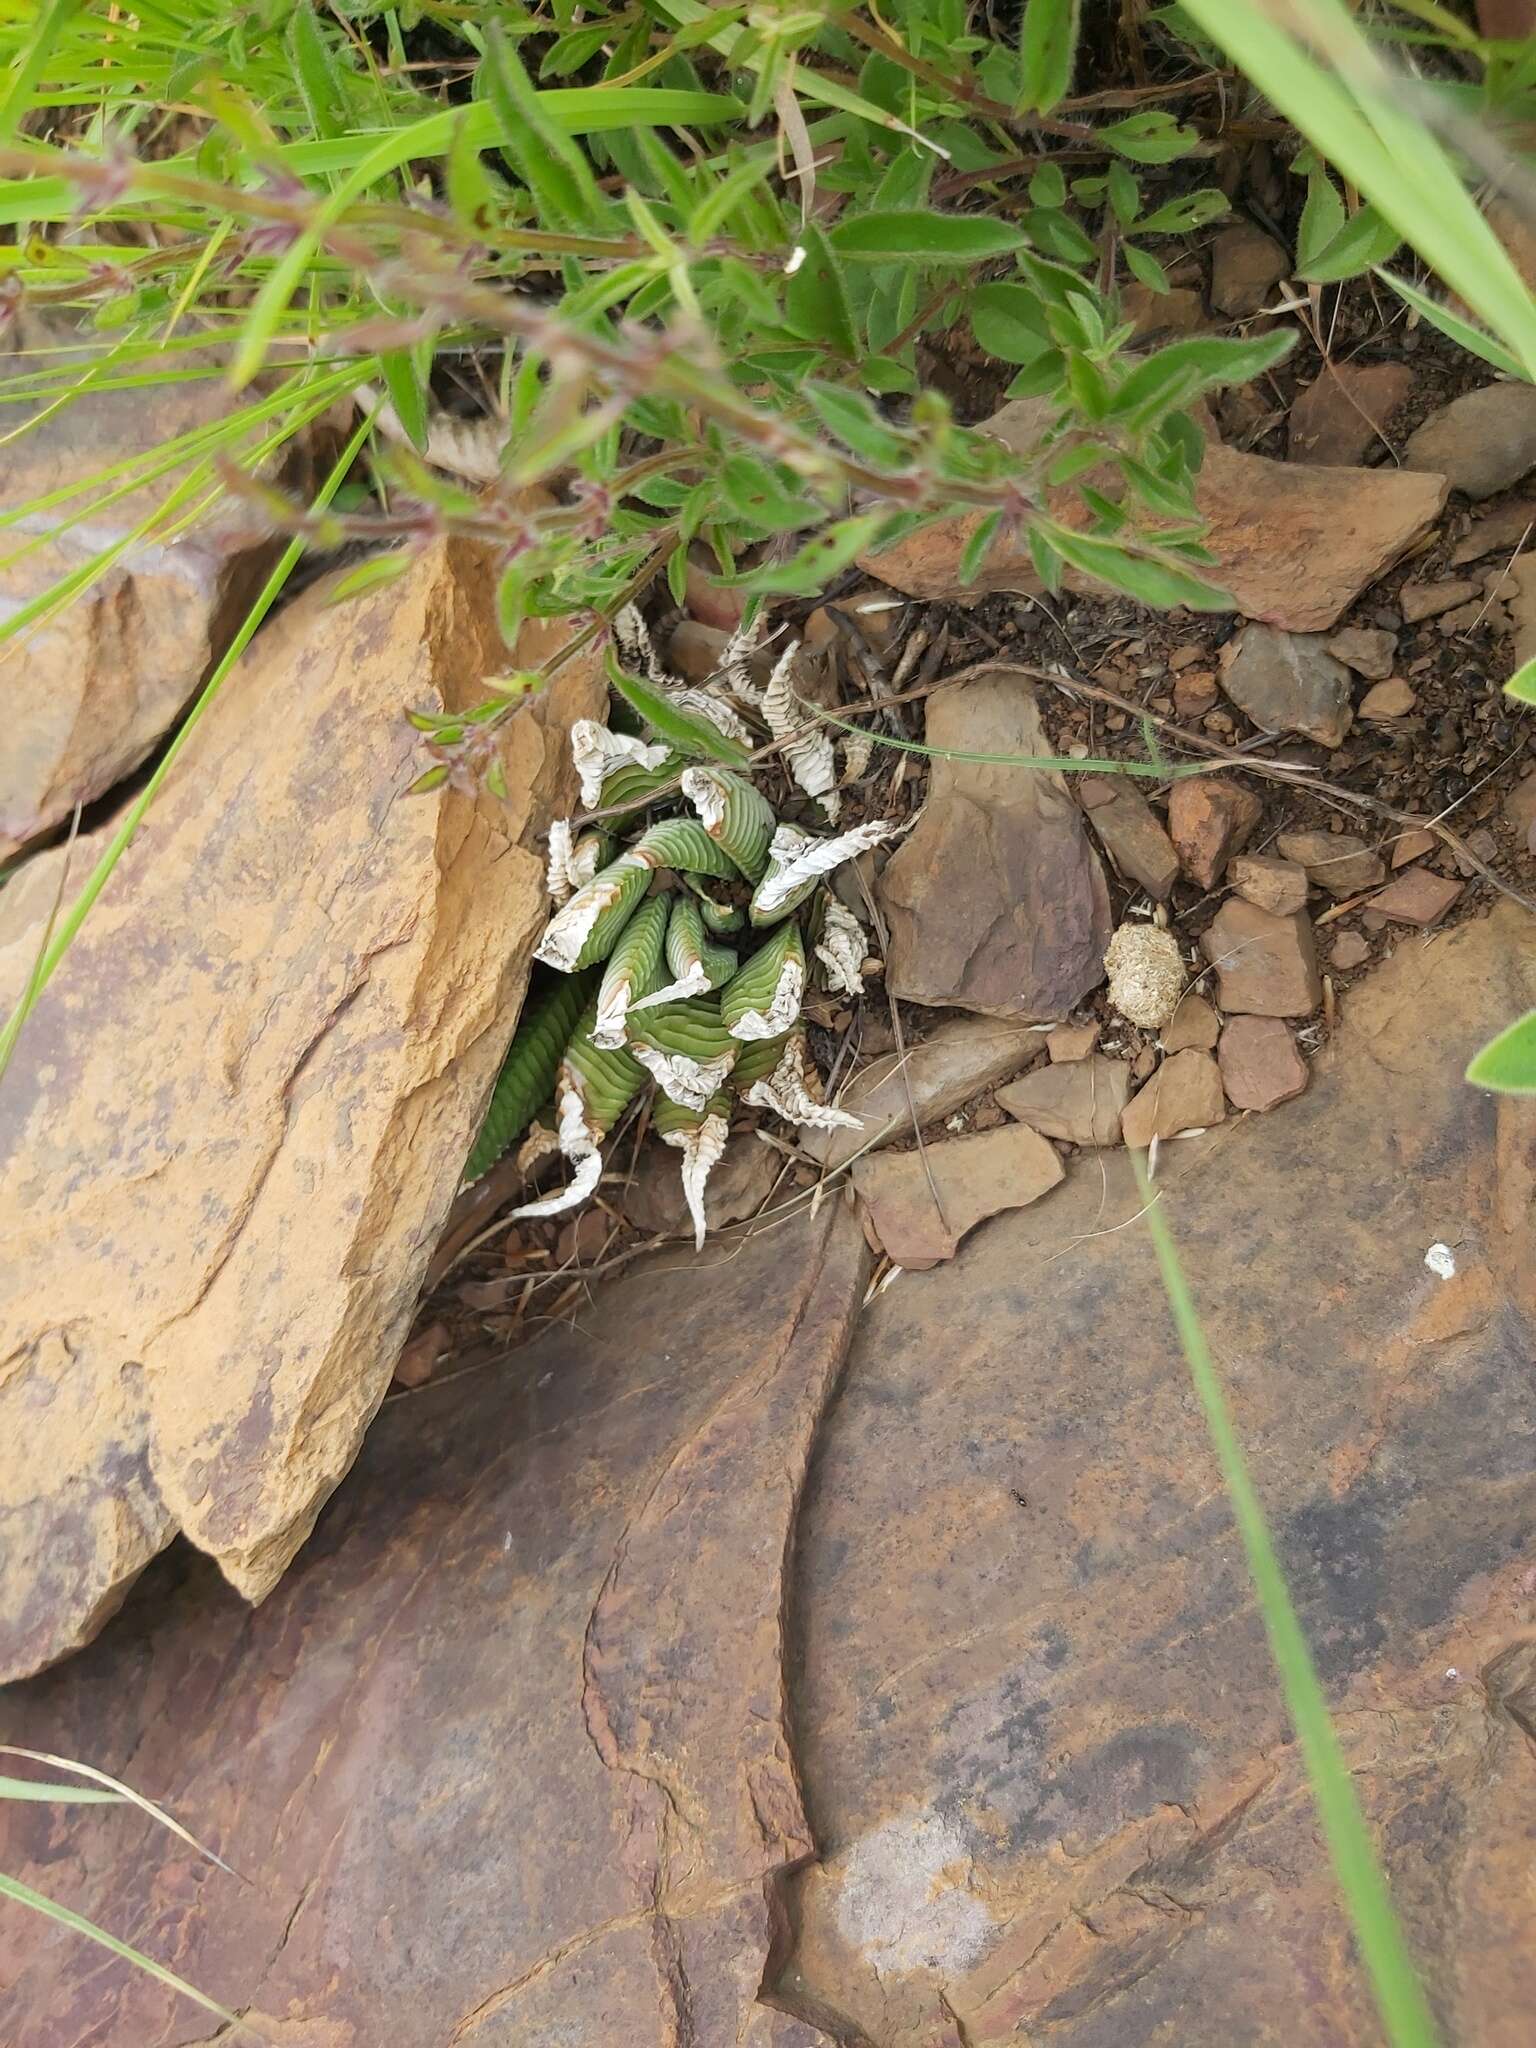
[(1009, 322), (1047, 50), (1151, 582), (1183, 216), (470, 191), (816, 301), (858, 424), (1179, 373), (1365, 240), (925, 237), (369, 575), (1322, 218), (1048, 188), (1508, 1063), (1522, 684), (1144, 268), (1124, 194), (1460, 331), (695, 737), (407, 394), (975, 550), (1153, 137), (320, 79), (807, 573)]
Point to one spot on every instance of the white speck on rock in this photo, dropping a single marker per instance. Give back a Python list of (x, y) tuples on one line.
[(904, 1901), (1441, 1261)]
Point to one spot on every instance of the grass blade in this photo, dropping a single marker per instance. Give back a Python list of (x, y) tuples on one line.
[(13, 1888), (57, 1795), (109, 1788), (1399, 1996)]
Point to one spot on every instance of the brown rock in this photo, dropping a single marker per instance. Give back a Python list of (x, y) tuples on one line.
[(976, 1178), (1519, 812), (1260, 1066), (1296, 545), (1025, 936), (1391, 699), (420, 1358), (1289, 682), (1186, 655), (1277, 885), (708, 600), (1246, 265), (1153, 313), (1130, 833), (1418, 896), (1350, 949), (1499, 531), (695, 649), (284, 1014), (1266, 965), (1194, 693), (1079, 1102), (1520, 593), (958, 1059), (1481, 442), (1183, 1095), (1339, 862), (1368, 650), (1339, 417), (1425, 600), (737, 1188), (1412, 845), (1210, 817), (90, 688), (1195, 1027), (1072, 1041)]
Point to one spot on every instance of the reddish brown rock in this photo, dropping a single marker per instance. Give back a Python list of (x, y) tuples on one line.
[(1418, 896), (1391, 699), (1425, 600), (1340, 862), (1246, 265), (1183, 1095), (1295, 545), (1369, 650), (1195, 1027), (694, 649), (1412, 845), (1277, 885), (1289, 682), (1519, 812), (1159, 313), (1350, 949), (974, 1178), (1130, 833), (706, 598), (1260, 1066), (420, 1358), (236, 1120), (1340, 416), (1079, 1101), (1210, 817), (1195, 692), (1072, 1041), (1481, 442), (1025, 936), (1266, 966)]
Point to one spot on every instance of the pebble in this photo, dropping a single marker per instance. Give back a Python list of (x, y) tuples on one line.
[(1497, 532), (1289, 682), (1334, 420), (1368, 650), (1481, 442), (1350, 949), (422, 1356), (1277, 885), (584, 1237), (1195, 1027), (1071, 1042), (1185, 1094), (1260, 1066), (695, 650), (1187, 655), (1194, 692), (1145, 1063), (1210, 818), (1246, 265), (1391, 699), (1418, 896), (1080, 1102), (1266, 966), (1520, 809), (1337, 861), (1130, 832), (1412, 844), (1427, 600)]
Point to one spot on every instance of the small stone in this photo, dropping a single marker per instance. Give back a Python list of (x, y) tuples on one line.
[(1246, 265), (1145, 1063), (1426, 600), (1185, 1094), (695, 649), (1260, 1066), (1415, 843), (1497, 532), (1368, 650), (1080, 1102), (708, 600), (1146, 974), (987, 1117), (1195, 1027), (1466, 618), (1276, 885), (1129, 831), (421, 1357), (1373, 921), (1350, 949), (1194, 692), (1186, 655), (1266, 966), (1337, 418), (1210, 818), (1289, 682), (1339, 862), (1481, 442), (1070, 1042), (1152, 313), (1391, 699), (1418, 896), (585, 1237), (1519, 810), (976, 1177)]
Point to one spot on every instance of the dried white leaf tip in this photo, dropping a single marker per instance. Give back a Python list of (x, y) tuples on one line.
[(577, 1146), (597, 752), (701, 1150), (782, 1010), (841, 949), (793, 1091), (694, 983), (571, 926), (572, 862), (688, 1082), (795, 858), (808, 755)]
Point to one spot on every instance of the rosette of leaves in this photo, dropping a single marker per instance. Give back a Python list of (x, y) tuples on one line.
[(684, 933)]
